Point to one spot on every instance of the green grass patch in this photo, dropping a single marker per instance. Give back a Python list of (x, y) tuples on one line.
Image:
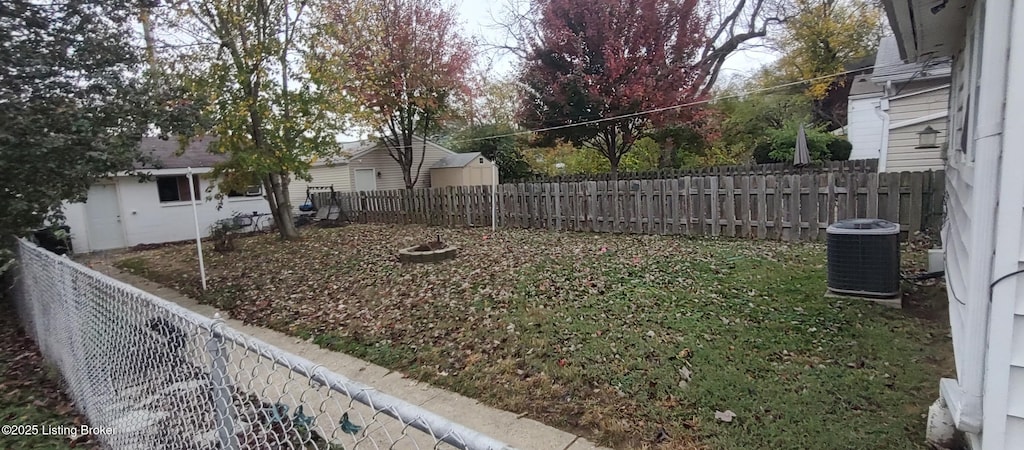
[(134, 265), (616, 337)]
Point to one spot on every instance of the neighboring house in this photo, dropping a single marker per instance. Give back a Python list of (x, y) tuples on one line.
[(982, 235), (463, 169), (373, 169), (123, 211), (367, 166), (889, 107), (327, 172)]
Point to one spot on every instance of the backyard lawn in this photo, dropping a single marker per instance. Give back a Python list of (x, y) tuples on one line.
[(632, 341)]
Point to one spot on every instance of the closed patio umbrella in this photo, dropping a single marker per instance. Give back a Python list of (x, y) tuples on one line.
[(802, 156)]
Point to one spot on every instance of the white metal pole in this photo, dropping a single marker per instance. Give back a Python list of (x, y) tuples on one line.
[(494, 195), (199, 236)]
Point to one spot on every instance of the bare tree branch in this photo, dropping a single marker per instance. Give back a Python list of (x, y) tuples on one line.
[(755, 17)]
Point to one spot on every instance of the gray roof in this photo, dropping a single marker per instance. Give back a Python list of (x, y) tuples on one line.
[(356, 149), (165, 153), (862, 85), (889, 66), (456, 160), (352, 149)]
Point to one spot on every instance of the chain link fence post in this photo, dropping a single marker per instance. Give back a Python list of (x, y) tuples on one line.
[(220, 382)]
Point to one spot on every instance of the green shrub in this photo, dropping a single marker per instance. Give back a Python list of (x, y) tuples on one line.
[(840, 149), (762, 153), (784, 142), (222, 234)]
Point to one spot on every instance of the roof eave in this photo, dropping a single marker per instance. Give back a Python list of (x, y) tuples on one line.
[(901, 20), (926, 29)]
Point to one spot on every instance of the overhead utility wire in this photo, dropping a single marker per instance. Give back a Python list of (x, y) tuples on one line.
[(680, 106)]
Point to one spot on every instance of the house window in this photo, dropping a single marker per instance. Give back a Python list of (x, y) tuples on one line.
[(254, 190), (175, 188)]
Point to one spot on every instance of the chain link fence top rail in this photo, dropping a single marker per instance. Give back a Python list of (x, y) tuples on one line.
[(159, 376)]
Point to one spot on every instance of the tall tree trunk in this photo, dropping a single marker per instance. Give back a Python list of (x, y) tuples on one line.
[(280, 206), (286, 223), (409, 152), (280, 182), (611, 144), (268, 188), (667, 159), (147, 34)]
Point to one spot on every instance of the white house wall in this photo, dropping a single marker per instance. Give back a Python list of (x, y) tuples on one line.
[(391, 173), (147, 221), (957, 228), (864, 127), (970, 285), (1009, 256)]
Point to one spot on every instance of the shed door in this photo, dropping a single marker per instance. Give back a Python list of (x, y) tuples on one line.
[(103, 218), (366, 179)]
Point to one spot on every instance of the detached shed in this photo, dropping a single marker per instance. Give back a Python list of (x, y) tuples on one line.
[(462, 169)]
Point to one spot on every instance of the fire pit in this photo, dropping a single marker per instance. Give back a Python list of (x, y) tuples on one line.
[(434, 251)]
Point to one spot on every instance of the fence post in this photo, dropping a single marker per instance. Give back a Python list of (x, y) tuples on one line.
[(224, 418)]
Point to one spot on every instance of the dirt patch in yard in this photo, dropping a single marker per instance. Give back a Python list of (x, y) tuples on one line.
[(633, 341)]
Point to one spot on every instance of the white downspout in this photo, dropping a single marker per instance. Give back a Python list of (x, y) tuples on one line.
[(988, 141), (883, 147)]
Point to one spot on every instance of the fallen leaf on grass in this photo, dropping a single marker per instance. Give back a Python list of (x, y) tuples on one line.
[(725, 416), (684, 377)]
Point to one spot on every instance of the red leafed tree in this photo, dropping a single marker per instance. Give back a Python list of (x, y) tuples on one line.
[(401, 62), (610, 61)]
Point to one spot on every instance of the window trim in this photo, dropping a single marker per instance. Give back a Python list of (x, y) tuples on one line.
[(247, 195)]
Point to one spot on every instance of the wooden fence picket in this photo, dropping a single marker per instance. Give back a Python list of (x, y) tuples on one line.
[(778, 205)]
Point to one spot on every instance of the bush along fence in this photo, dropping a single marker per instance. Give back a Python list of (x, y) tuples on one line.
[(784, 207), (859, 165), (151, 375)]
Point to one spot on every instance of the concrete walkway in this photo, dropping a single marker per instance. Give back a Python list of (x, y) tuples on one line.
[(516, 430)]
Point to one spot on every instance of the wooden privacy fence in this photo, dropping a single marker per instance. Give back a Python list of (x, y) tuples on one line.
[(856, 165), (787, 207)]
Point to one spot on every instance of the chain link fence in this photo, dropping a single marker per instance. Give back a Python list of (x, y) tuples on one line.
[(149, 374)]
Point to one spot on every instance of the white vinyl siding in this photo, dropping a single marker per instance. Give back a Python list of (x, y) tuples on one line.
[(474, 173), (1014, 432), (910, 105), (1011, 216), (391, 173), (337, 176), (1002, 428), (959, 188), (904, 156)]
